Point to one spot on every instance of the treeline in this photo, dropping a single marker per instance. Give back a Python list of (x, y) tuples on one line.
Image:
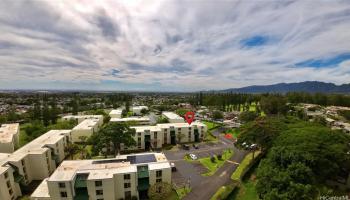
[(46, 107), (234, 101)]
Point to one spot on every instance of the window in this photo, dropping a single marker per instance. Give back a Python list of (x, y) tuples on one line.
[(61, 185), (10, 191), (63, 194), (126, 176), (8, 184), (127, 185), (6, 175), (139, 134), (99, 192), (159, 173), (155, 135), (98, 183), (127, 195), (158, 180)]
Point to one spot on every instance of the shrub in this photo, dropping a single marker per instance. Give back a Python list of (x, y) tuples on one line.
[(134, 198), (159, 191), (219, 156), (212, 159)]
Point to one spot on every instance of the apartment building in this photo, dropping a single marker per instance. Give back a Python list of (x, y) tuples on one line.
[(136, 110), (116, 113), (34, 161), (85, 128), (9, 137), (123, 177), (148, 137), (81, 118), (173, 117), (138, 120)]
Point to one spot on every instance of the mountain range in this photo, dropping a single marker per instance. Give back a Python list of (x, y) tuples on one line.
[(307, 86)]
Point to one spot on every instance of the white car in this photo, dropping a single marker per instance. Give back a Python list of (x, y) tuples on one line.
[(193, 157)]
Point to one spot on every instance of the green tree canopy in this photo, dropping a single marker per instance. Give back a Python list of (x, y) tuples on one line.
[(303, 155), (261, 131), (114, 134), (159, 191), (248, 116)]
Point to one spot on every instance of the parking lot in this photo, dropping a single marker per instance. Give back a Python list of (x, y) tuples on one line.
[(189, 173)]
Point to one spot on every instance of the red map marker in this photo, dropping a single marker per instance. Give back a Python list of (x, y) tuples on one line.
[(189, 117)]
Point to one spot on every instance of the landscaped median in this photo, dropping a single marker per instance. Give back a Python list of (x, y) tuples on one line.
[(212, 163), (215, 162), (224, 191), (237, 176), (244, 166)]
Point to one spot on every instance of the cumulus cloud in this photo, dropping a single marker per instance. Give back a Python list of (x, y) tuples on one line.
[(172, 45)]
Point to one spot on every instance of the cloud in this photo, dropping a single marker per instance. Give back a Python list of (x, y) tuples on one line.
[(172, 45)]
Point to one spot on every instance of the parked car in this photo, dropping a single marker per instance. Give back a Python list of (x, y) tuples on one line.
[(173, 167), (193, 157), (196, 146), (186, 146)]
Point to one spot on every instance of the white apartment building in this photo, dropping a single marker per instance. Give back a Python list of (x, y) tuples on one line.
[(136, 110), (9, 137), (116, 113), (140, 120), (34, 161), (81, 118), (173, 117), (148, 137), (85, 128), (120, 178)]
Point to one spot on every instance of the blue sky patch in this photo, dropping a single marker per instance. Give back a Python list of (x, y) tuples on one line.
[(257, 40), (326, 62)]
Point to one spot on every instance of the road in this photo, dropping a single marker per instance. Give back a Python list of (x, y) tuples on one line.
[(205, 187)]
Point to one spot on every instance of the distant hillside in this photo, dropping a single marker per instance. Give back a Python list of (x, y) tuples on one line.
[(308, 86)]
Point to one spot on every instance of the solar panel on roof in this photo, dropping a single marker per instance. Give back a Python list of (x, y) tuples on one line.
[(137, 159)]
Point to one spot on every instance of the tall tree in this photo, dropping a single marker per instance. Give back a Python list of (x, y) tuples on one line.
[(115, 134), (46, 114)]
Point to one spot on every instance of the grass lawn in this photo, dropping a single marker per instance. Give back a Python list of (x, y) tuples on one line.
[(182, 192), (212, 167), (246, 191), (240, 169), (223, 192), (22, 135), (211, 125), (173, 196)]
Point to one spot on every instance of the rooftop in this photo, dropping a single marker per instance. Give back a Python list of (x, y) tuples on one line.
[(139, 107), (127, 119), (7, 131), (171, 115), (86, 124), (159, 127), (37, 146), (116, 112), (42, 190), (83, 117), (106, 168)]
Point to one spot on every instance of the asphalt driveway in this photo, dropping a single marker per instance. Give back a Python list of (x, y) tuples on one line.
[(204, 187)]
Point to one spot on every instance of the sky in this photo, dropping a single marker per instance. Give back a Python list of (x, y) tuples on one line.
[(166, 45)]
